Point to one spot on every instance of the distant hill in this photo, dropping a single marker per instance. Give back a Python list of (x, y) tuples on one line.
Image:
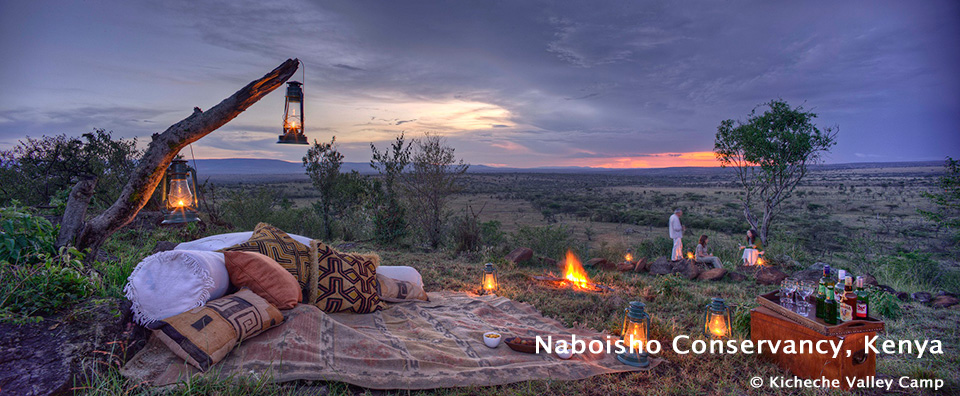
[(251, 166)]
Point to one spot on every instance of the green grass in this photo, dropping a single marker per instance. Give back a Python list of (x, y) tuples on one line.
[(676, 309)]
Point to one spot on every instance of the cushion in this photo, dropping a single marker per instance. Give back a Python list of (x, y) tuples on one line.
[(395, 290), (401, 272), (346, 281), (220, 241), (168, 283), (268, 240), (263, 276), (203, 336)]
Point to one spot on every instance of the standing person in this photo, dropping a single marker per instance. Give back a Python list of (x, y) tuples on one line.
[(676, 233), (703, 255)]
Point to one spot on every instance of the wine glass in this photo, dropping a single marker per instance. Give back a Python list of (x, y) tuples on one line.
[(792, 286), (807, 288), (785, 293)]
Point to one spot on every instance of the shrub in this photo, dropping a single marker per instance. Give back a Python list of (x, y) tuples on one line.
[(652, 248), (909, 270), (42, 288), (25, 236), (550, 241)]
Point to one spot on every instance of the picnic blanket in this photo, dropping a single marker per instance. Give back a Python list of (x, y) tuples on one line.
[(410, 345)]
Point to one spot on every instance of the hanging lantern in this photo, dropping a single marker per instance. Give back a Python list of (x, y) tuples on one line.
[(293, 116), (179, 193), (716, 319), (489, 282), (636, 327)]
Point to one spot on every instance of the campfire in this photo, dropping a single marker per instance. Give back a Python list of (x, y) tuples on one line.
[(574, 277)]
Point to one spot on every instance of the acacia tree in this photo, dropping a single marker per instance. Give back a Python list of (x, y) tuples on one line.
[(390, 217), (771, 153), (433, 179)]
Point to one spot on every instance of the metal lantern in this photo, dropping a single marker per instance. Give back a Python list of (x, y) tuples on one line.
[(179, 193), (489, 282), (293, 115), (629, 256), (636, 327), (716, 319)]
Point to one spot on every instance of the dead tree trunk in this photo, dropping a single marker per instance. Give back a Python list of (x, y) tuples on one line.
[(76, 211), (164, 147)]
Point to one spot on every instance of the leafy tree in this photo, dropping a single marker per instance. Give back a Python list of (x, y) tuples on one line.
[(38, 170), (390, 215), (770, 153), (947, 212), (338, 192), (434, 178)]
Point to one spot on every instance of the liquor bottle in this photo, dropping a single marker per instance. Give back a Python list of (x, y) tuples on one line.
[(822, 291), (863, 300), (849, 305), (838, 291), (830, 308)]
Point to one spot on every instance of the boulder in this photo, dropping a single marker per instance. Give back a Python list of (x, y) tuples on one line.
[(809, 274), (661, 266), (642, 265), (164, 246), (945, 293), (688, 268), (921, 297), (52, 356), (519, 255), (548, 261), (736, 276), (713, 274), (870, 280), (626, 266), (902, 296), (944, 301), (601, 263), (887, 289), (770, 276)]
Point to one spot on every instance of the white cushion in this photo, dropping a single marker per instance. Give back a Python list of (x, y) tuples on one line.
[(401, 273), (172, 282), (220, 241)]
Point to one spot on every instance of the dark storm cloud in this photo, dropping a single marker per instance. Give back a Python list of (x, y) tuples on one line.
[(556, 80)]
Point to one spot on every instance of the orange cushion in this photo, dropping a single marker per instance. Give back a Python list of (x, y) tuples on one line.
[(281, 247), (263, 276)]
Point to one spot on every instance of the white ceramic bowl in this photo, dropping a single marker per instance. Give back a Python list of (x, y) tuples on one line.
[(563, 350), (492, 342)]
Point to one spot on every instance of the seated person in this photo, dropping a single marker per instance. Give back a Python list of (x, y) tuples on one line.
[(703, 255), (753, 248)]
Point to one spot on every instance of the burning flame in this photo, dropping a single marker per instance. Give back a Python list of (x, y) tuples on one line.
[(574, 273), (690, 255), (718, 326)]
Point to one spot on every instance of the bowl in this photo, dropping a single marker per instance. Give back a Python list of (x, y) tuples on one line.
[(563, 350), (522, 344), (491, 339)]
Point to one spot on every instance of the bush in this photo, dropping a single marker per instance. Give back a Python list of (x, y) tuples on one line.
[(42, 288), (549, 241), (653, 248), (25, 236), (909, 271)]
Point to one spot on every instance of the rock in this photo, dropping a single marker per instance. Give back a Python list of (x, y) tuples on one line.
[(809, 274), (642, 265), (688, 268), (52, 356), (870, 280), (770, 276), (750, 269), (902, 296), (626, 266), (945, 293), (596, 262), (519, 255), (164, 246), (661, 266), (887, 289), (736, 276), (921, 297), (944, 301), (548, 261), (648, 294), (713, 274)]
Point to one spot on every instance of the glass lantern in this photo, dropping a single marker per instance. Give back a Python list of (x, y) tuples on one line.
[(293, 116), (179, 193), (489, 282), (636, 327), (629, 256), (716, 319)]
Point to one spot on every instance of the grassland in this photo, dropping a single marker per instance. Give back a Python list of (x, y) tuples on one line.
[(851, 218)]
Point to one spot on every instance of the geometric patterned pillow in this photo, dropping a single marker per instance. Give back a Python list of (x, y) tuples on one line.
[(269, 241), (347, 281), (205, 335)]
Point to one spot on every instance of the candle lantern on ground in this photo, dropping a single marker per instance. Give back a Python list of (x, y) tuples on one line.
[(716, 319), (629, 256), (636, 327), (179, 193), (489, 283), (293, 116)]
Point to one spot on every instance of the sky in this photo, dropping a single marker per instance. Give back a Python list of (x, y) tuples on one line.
[(508, 83)]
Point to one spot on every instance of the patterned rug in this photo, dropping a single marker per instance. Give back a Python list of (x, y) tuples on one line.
[(411, 345)]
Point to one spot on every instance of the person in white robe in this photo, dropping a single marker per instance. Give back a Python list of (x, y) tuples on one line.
[(676, 233)]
